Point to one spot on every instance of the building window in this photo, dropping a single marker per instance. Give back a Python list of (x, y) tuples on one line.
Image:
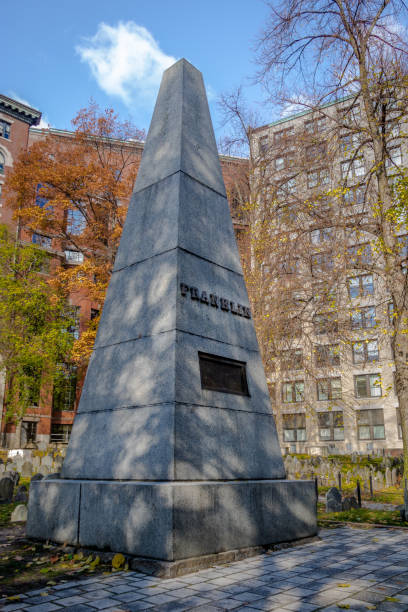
[(367, 385), (323, 323), (331, 426), (293, 392), (316, 125), (320, 235), (365, 351), (76, 222), (5, 129), (349, 142), (288, 265), (60, 433), (263, 145), (65, 384), (370, 424), (31, 385), (318, 177), (395, 157), (28, 432), (315, 152), (283, 135), (327, 355), (294, 427), (74, 257), (74, 312), (94, 313), (360, 255), (2, 163), (361, 286), (287, 188), (328, 389), (352, 169), (322, 262), (292, 359), (363, 318), (41, 240)]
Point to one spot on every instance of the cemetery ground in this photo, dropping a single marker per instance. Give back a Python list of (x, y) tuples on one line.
[(27, 566)]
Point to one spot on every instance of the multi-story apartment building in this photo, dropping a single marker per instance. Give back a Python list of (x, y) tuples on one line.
[(50, 417), (325, 316)]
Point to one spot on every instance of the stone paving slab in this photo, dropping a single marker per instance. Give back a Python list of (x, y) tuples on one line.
[(354, 569)]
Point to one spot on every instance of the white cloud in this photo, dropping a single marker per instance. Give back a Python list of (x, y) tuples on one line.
[(126, 61), (44, 123), (298, 105)]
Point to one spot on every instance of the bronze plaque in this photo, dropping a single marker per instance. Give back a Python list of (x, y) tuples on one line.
[(223, 374)]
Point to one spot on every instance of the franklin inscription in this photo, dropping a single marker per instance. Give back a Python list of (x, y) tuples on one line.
[(215, 301)]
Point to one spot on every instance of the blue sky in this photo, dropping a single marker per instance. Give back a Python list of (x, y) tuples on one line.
[(60, 53)]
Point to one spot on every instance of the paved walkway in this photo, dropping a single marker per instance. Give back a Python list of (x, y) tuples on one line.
[(354, 569)]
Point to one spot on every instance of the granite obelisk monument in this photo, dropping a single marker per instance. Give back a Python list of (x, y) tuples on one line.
[(174, 452)]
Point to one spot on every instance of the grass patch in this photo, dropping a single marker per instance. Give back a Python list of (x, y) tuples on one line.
[(362, 515)]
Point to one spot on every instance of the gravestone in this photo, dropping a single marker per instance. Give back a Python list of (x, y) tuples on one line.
[(6, 489), (21, 495), (333, 500), (26, 469), (174, 452), (349, 503), (19, 514)]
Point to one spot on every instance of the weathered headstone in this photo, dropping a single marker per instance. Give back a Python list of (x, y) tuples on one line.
[(349, 503), (388, 477), (333, 500), (47, 461), (26, 469), (21, 495), (174, 452), (6, 489), (19, 514)]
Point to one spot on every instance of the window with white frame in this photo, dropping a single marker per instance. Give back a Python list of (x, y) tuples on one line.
[(370, 424), (292, 359), (76, 221), (321, 234), (327, 355), (293, 391), (322, 262), (316, 178), (395, 157), (363, 318), (359, 255), (352, 169), (331, 425), (329, 389), (294, 427), (41, 240), (325, 323), (367, 385), (360, 286), (5, 129), (365, 351), (74, 256)]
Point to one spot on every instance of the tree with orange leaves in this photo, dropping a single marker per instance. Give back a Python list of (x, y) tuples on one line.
[(69, 193)]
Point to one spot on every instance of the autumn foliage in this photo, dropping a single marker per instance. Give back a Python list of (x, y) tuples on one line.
[(72, 190)]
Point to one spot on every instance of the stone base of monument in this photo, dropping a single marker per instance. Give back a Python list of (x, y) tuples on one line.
[(184, 523)]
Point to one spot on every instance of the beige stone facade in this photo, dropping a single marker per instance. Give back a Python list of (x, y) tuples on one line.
[(349, 405)]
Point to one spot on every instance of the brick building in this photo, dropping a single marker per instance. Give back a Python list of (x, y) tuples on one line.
[(51, 418)]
